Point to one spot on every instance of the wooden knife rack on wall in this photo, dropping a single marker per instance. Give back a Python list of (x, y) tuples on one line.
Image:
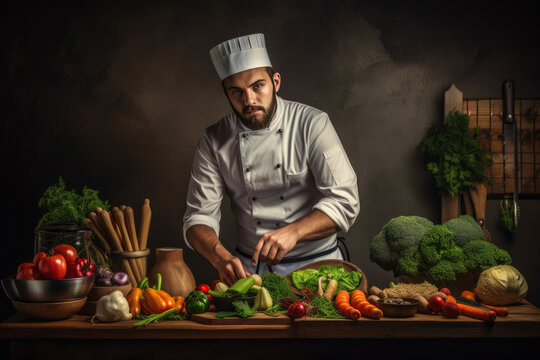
[(487, 115)]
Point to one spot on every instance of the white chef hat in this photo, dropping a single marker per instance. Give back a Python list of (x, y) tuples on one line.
[(239, 54)]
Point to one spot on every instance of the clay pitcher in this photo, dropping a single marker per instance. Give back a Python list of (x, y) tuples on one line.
[(177, 278)]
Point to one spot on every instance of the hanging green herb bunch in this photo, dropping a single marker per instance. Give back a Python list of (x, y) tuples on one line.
[(456, 159), (63, 206)]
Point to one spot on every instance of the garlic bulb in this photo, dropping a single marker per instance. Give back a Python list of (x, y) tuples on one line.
[(113, 307), (501, 285)]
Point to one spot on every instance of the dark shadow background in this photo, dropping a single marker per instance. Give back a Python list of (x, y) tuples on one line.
[(114, 95)]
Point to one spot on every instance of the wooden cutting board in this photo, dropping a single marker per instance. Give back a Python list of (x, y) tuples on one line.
[(209, 318)]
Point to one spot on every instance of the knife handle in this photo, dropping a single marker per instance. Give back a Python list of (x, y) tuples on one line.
[(508, 102)]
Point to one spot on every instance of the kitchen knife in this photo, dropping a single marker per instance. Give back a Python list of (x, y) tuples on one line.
[(463, 300), (510, 140)]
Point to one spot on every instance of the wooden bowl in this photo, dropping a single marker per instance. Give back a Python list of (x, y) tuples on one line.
[(98, 291), (398, 310), (49, 310), (226, 304), (347, 266)]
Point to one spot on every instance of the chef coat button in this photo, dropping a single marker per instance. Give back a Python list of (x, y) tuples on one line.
[(244, 135), (278, 166), (281, 197), (247, 169), (280, 131), (254, 198)]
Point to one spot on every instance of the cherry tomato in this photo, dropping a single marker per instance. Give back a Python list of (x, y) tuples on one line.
[(25, 265), (38, 257), (67, 251), (210, 298), (52, 267), (203, 287), (29, 273)]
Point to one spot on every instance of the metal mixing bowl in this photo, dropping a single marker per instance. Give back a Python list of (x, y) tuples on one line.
[(47, 290)]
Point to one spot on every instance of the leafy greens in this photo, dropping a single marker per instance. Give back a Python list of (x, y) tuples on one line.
[(309, 278)]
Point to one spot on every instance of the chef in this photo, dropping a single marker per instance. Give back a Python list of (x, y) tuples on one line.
[(289, 180)]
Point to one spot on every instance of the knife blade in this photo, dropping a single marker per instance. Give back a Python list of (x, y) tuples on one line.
[(463, 300), (510, 141)]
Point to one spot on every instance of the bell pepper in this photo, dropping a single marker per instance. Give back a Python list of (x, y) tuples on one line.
[(74, 270), (197, 302), (134, 300), (180, 304), (157, 301)]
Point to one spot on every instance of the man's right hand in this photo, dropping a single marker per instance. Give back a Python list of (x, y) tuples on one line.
[(231, 269)]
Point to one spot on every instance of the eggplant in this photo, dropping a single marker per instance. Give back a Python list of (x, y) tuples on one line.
[(120, 278)]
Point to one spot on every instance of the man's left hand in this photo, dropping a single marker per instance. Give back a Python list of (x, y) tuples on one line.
[(274, 245)]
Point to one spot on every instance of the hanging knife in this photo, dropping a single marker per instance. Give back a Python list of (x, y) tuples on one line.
[(510, 141)]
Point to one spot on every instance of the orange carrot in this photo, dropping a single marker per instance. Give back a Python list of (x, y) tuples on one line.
[(343, 305), (451, 299), (500, 311), (359, 301), (468, 295), (477, 313)]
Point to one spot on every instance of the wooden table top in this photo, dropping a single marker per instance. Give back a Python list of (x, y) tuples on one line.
[(522, 322)]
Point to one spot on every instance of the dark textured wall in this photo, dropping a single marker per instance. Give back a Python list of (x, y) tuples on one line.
[(115, 95)]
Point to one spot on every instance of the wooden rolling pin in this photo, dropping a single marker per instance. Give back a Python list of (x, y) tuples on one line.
[(144, 226), (117, 244), (120, 221)]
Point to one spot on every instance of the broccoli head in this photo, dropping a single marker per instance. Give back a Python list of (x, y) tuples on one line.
[(395, 246), (481, 255), (465, 229), (439, 257)]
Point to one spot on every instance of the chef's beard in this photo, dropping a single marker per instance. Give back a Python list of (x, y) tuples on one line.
[(253, 122)]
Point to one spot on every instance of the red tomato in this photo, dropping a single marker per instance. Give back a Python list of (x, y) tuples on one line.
[(29, 273), (52, 267), (445, 291), (25, 265), (451, 310), (203, 287), (436, 303), (67, 251), (210, 298), (38, 257)]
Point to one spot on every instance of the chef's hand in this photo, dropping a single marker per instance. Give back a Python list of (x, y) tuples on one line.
[(231, 269), (274, 245)]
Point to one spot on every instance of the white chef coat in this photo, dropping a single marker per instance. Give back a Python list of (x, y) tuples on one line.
[(273, 177)]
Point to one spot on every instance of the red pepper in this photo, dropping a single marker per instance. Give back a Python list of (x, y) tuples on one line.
[(86, 265), (74, 270)]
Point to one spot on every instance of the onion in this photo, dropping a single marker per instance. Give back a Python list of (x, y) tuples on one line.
[(501, 285), (120, 278), (102, 281)]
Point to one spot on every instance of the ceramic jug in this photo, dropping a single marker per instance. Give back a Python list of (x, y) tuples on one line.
[(177, 278)]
